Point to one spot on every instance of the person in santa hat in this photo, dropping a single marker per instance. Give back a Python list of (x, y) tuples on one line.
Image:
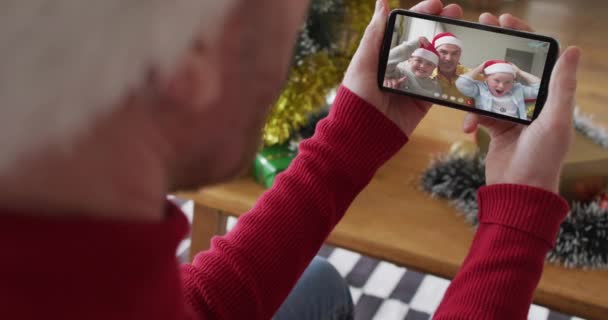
[(499, 92), (107, 106), (449, 68), (449, 48), (413, 74)]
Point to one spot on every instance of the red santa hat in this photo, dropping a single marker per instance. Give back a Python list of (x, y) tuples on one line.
[(446, 38), (427, 52), (496, 66)]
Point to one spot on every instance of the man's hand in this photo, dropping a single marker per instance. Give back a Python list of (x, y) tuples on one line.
[(362, 74), (532, 155)]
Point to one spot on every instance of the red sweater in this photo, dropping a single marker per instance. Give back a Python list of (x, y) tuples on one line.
[(71, 268)]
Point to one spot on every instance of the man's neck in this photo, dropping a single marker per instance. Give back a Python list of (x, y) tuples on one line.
[(108, 175)]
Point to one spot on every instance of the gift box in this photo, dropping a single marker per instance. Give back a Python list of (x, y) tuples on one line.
[(271, 161)]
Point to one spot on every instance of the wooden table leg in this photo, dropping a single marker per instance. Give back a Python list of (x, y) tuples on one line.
[(206, 223)]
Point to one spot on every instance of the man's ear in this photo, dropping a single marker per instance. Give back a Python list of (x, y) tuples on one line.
[(196, 81)]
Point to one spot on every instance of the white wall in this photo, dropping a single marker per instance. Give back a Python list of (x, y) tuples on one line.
[(399, 30), (408, 28), (480, 46), (539, 61), (421, 27)]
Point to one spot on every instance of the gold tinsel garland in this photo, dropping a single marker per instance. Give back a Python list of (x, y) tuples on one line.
[(310, 82)]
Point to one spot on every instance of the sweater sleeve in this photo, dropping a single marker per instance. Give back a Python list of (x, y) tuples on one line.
[(531, 91), (518, 226), (75, 267), (256, 265), (399, 54), (467, 86)]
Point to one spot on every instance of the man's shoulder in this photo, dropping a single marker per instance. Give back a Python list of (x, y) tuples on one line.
[(460, 69), (435, 73)]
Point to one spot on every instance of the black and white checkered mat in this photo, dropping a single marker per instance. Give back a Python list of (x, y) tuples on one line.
[(384, 291)]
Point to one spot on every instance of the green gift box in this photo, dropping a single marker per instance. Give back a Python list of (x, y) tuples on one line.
[(270, 162)]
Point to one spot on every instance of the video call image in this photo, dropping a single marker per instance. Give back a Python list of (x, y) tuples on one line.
[(494, 72)]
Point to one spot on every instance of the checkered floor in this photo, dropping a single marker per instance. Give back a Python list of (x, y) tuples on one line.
[(384, 291)]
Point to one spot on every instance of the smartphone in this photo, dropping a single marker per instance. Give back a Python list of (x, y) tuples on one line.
[(488, 70)]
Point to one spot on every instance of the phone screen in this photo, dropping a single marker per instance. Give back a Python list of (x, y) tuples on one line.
[(487, 70)]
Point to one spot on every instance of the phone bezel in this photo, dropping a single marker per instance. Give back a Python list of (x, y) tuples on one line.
[(552, 56)]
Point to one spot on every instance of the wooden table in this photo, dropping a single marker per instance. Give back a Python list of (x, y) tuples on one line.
[(392, 219)]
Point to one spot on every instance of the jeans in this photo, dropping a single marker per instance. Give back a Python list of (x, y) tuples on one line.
[(320, 294)]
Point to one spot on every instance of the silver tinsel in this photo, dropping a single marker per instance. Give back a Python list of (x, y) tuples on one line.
[(322, 29), (456, 179), (584, 124), (583, 236)]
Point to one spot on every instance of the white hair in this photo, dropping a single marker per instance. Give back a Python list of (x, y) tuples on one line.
[(64, 62)]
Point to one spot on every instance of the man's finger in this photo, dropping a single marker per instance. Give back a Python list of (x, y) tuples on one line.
[(470, 123), (489, 19), (509, 21), (506, 20), (453, 11), (428, 7), (495, 126), (562, 89), (369, 47), (374, 31)]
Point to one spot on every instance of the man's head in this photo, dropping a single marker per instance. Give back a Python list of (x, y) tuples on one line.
[(423, 61), (500, 77), (449, 48), (201, 73)]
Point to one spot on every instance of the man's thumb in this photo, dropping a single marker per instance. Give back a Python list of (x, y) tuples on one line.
[(562, 89), (495, 126), (375, 30)]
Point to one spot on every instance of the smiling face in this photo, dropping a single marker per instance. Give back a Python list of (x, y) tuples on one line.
[(500, 83), (421, 67)]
